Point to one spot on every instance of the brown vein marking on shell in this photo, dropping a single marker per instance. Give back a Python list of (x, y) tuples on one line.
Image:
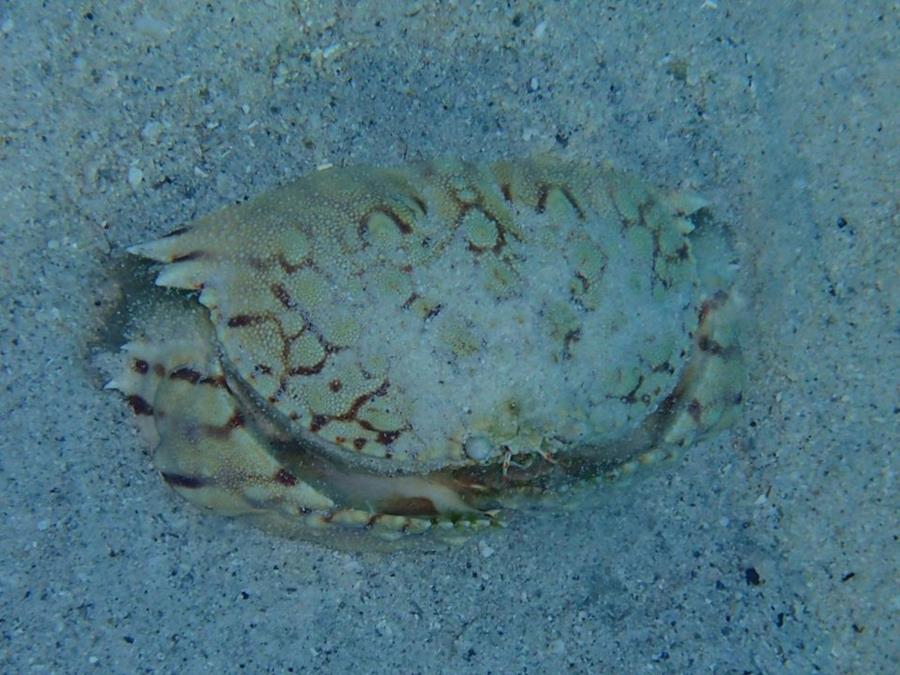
[(318, 420), (285, 477), (281, 477), (705, 343), (185, 373), (251, 320), (682, 253), (383, 436), (245, 320), (404, 225), (281, 294), (544, 191), (139, 405), (611, 197), (176, 232), (500, 236), (184, 481), (569, 339), (215, 381), (478, 202), (187, 257), (643, 208)]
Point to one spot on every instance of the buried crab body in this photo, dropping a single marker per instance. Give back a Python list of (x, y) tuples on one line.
[(412, 349)]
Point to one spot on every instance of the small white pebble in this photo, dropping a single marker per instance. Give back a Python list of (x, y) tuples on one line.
[(7, 26), (245, 109), (485, 549), (540, 30), (352, 566), (152, 27), (53, 244), (135, 177), (43, 525), (151, 132)]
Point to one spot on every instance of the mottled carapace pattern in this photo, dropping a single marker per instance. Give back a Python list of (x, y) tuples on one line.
[(403, 348)]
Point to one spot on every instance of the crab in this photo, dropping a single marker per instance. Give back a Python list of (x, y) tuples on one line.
[(384, 352)]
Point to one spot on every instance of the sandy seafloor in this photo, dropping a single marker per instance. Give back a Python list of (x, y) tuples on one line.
[(770, 548)]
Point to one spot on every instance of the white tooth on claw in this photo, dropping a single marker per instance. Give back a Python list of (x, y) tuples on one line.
[(186, 275)]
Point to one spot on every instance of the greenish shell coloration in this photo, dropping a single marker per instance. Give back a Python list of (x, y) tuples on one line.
[(400, 350)]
